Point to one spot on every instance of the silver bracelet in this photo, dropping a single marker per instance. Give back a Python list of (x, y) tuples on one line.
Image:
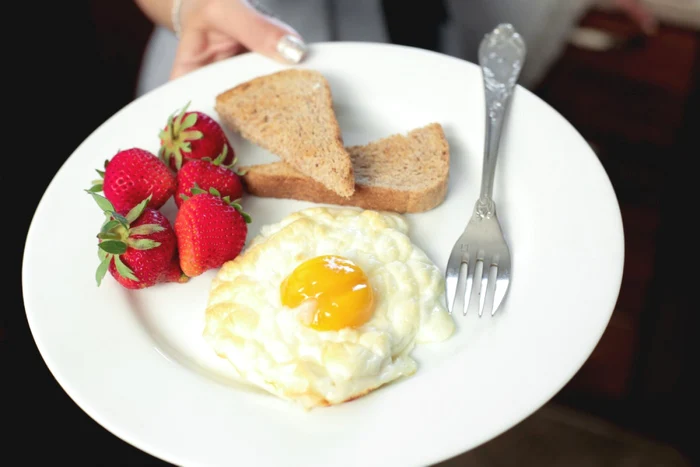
[(175, 17)]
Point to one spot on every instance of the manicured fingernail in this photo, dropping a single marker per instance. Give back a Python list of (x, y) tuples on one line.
[(291, 48)]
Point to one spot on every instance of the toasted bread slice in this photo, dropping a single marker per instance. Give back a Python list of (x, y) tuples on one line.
[(399, 173), (290, 113)]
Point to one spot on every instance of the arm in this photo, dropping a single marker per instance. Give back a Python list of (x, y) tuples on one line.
[(158, 11)]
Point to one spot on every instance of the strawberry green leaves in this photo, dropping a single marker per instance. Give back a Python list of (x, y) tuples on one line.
[(187, 123), (183, 120), (113, 218), (98, 185), (221, 158), (239, 208), (146, 229), (177, 135), (102, 202), (196, 190), (102, 270), (113, 247), (219, 161), (116, 236), (142, 243), (137, 210), (236, 204), (124, 270)]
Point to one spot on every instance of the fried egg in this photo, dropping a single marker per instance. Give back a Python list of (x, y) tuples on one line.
[(327, 305)]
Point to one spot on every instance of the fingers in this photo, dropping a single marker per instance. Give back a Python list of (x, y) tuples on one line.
[(197, 49), (219, 29), (228, 51), (191, 53), (640, 14), (256, 31)]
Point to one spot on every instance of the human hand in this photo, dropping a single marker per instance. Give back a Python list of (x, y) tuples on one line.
[(212, 30)]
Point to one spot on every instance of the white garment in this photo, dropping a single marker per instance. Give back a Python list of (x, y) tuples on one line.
[(544, 24)]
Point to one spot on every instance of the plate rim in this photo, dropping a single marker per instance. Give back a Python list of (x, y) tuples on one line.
[(155, 451)]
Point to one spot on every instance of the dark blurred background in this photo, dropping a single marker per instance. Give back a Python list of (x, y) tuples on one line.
[(634, 403)]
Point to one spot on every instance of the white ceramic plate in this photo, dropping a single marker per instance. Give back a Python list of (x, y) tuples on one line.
[(136, 362)]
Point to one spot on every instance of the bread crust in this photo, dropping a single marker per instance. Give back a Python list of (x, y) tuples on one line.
[(278, 180)]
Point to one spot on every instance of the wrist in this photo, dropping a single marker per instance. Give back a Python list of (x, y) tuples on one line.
[(183, 12)]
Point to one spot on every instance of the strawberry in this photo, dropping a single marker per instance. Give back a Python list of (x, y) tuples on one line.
[(173, 273), (210, 231), (191, 136), (133, 175), (205, 174), (137, 249)]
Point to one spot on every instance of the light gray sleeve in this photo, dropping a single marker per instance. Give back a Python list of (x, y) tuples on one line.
[(545, 25)]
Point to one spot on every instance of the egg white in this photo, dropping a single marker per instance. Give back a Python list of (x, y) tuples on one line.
[(269, 346)]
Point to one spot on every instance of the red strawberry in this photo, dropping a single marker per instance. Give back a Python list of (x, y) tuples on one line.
[(191, 136), (210, 231), (138, 249), (205, 174), (173, 273), (133, 175)]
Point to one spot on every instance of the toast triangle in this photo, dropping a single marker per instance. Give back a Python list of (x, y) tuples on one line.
[(400, 173), (290, 113)]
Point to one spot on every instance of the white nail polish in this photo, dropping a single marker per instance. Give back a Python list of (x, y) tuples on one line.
[(291, 48)]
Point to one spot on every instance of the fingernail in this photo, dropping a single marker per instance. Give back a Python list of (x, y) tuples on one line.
[(291, 48)]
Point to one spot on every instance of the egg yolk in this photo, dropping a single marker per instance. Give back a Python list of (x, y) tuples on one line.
[(340, 288)]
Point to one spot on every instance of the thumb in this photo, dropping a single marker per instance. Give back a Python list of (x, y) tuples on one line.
[(259, 32)]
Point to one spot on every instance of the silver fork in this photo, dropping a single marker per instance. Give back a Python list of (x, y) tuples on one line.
[(481, 251)]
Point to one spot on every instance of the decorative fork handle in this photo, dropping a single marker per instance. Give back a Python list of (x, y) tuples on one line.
[(501, 56)]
